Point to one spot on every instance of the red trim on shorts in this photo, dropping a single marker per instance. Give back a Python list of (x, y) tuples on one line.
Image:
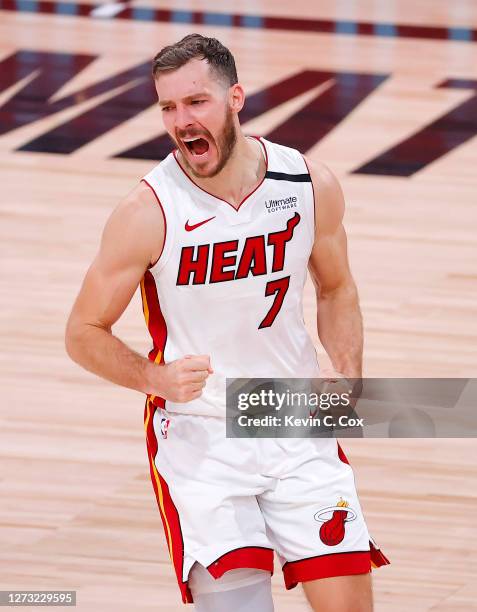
[(378, 558), (167, 509), (177, 540), (341, 454), (151, 265), (326, 566), (256, 557)]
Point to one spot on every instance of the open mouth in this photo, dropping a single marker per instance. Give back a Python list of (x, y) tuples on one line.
[(197, 145)]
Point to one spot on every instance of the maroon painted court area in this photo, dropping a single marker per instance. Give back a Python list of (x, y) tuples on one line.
[(302, 130)]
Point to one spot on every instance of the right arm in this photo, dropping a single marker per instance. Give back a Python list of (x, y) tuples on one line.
[(132, 239)]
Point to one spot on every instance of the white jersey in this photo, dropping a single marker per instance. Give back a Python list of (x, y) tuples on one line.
[(229, 282)]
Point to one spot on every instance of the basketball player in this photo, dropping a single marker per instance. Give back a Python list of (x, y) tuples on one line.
[(219, 237)]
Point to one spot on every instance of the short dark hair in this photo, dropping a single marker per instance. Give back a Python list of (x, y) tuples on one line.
[(197, 46)]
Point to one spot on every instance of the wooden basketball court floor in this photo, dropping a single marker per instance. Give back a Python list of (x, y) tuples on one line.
[(385, 93)]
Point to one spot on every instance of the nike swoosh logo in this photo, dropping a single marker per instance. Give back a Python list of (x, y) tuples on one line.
[(189, 228)]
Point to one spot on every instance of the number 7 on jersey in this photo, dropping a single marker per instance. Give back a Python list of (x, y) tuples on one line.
[(279, 287)]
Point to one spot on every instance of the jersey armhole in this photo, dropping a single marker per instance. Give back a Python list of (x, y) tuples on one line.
[(263, 147), (314, 196), (151, 265)]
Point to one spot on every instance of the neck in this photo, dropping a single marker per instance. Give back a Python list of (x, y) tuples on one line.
[(242, 173)]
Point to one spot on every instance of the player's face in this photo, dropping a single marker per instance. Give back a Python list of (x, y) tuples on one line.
[(198, 116)]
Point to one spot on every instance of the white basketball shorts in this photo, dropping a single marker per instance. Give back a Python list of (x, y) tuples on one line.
[(231, 503)]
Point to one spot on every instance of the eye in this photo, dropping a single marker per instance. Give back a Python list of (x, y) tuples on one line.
[(166, 109), (198, 101)]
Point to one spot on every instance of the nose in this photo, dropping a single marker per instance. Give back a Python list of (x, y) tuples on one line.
[(183, 118)]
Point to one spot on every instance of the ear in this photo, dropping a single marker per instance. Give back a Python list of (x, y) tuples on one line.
[(236, 97)]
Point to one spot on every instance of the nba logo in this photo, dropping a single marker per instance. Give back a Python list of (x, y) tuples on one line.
[(164, 426)]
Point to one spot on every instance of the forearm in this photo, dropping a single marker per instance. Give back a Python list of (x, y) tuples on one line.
[(99, 352), (340, 329)]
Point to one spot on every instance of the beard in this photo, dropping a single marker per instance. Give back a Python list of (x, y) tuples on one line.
[(225, 144)]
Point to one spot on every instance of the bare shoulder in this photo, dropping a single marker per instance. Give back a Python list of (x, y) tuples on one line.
[(136, 226), (139, 206), (329, 199)]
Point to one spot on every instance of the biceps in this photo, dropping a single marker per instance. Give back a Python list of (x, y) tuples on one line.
[(105, 294), (328, 265)]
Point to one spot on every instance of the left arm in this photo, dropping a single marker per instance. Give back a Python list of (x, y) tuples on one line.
[(340, 326)]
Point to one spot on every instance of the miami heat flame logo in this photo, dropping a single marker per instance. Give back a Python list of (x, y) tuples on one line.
[(334, 519)]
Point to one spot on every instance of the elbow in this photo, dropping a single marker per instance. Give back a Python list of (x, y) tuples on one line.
[(80, 336), (346, 290), (76, 333), (71, 340)]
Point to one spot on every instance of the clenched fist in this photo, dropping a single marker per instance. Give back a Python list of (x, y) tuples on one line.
[(182, 380)]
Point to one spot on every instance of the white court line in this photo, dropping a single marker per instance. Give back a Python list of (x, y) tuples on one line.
[(106, 11)]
